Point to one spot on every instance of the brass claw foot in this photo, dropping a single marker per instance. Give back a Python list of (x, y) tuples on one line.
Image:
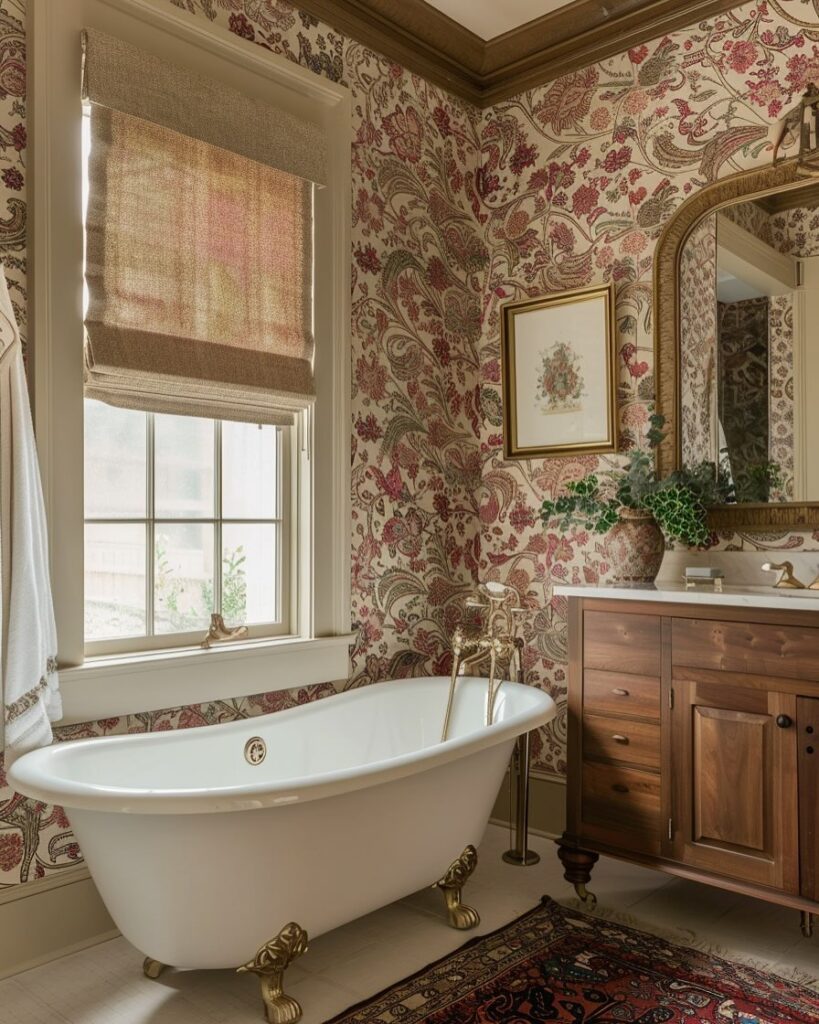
[(583, 894), (460, 915), (807, 924), (152, 968), (270, 963)]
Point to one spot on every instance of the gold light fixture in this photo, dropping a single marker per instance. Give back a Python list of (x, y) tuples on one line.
[(802, 124)]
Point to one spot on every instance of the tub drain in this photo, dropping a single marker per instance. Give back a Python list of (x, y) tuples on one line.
[(255, 750)]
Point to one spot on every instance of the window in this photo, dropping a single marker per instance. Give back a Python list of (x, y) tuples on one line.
[(183, 517), (148, 602)]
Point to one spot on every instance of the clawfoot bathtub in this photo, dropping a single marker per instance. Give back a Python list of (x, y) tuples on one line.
[(222, 846)]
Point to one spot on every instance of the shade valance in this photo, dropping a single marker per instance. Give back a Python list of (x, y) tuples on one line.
[(199, 275), (118, 75)]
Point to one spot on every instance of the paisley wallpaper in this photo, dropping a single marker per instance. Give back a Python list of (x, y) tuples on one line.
[(781, 404), (418, 262), (577, 179), (698, 331), (454, 211), (743, 390)]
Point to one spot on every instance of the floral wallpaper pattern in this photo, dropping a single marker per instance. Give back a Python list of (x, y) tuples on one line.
[(698, 333), (743, 390), (781, 427), (794, 232), (418, 259), (455, 211), (578, 178)]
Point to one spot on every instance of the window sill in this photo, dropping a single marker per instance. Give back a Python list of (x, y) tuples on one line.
[(114, 686)]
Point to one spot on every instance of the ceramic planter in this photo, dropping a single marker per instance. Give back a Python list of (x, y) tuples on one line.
[(635, 547)]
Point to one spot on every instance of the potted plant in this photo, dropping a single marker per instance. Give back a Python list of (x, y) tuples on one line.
[(638, 511)]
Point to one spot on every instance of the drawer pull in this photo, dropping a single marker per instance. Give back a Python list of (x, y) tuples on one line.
[(619, 692), (618, 787), (619, 738)]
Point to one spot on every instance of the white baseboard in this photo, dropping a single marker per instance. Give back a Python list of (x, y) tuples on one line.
[(49, 918)]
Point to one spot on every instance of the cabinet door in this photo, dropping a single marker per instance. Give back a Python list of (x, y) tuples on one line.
[(735, 781)]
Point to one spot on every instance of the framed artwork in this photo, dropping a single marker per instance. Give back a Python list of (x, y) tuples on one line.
[(558, 375)]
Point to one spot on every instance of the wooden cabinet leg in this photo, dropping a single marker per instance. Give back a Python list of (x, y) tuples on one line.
[(807, 923), (577, 869)]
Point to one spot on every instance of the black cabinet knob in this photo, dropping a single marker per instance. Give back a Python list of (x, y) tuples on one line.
[(784, 721)]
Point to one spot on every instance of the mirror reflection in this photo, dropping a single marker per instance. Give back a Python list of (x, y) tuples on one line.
[(749, 346)]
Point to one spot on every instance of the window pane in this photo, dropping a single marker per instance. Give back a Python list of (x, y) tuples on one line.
[(249, 471), (184, 467), (115, 459), (114, 580), (249, 573), (183, 577)]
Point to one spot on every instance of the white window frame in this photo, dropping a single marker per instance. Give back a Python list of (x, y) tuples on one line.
[(286, 592), (316, 651)]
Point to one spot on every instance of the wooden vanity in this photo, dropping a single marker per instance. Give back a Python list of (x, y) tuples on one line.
[(694, 738)]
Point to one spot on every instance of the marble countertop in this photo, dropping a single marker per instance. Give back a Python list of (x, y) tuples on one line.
[(743, 596)]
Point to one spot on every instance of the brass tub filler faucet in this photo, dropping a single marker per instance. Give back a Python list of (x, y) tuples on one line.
[(499, 641), (787, 580)]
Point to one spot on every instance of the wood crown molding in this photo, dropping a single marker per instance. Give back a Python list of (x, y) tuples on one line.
[(423, 39)]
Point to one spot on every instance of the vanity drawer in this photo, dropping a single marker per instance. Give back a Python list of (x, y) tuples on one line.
[(618, 694), (622, 739), (622, 798), (629, 642), (749, 647)]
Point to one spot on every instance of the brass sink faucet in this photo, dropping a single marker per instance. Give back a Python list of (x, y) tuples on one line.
[(787, 580), (499, 641)]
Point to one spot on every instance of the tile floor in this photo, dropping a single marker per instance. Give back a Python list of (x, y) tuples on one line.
[(105, 985)]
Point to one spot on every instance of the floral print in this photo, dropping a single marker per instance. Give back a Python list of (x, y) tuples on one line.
[(559, 386), (781, 439), (698, 341), (619, 146), (417, 258), (455, 211)]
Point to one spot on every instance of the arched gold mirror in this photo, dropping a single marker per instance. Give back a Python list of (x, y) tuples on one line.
[(736, 286)]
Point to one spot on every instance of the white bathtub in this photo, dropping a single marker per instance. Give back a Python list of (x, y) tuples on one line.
[(202, 857)]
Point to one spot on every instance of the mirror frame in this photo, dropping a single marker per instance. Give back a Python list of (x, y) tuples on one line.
[(743, 186)]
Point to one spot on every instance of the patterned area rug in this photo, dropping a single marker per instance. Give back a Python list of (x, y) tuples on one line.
[(559, 965)]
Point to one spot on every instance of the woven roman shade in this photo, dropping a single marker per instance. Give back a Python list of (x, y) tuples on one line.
[(198, 255)]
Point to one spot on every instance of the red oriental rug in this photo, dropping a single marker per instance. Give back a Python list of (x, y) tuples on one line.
[(559, 965)]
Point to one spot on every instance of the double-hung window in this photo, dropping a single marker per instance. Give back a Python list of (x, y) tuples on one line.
[(190, 329), (184, 517), (198, 299)]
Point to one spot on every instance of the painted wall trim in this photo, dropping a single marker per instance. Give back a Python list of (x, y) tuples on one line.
[(49, 918), (123, 686), (65, 876), (55, 239)]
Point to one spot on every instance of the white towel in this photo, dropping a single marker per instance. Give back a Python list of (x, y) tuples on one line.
[(28, 640)]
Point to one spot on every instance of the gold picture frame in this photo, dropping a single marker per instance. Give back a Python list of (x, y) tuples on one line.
[(558, 363)]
